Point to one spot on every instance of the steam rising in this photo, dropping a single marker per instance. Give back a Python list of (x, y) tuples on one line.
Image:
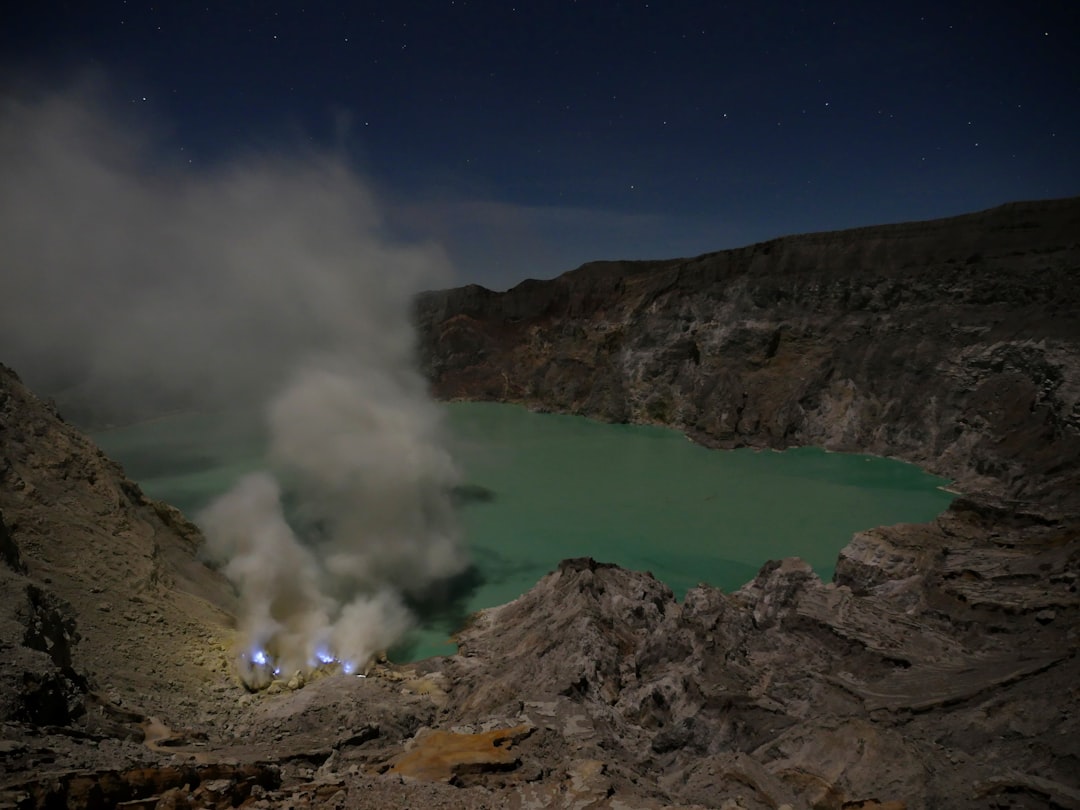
[(359, 448), (138, 288)]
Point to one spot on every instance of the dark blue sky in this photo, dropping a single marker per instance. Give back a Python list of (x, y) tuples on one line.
[(529, 137)]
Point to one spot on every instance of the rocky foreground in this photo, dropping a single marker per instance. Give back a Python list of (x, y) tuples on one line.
[(938, 669)]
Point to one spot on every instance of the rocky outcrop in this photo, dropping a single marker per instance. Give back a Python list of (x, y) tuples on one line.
[(90, 559), (950, 343), (793, 691)]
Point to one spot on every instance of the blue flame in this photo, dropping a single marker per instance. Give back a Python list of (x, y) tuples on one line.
[(348, 667), (325, 655), (259, 657)]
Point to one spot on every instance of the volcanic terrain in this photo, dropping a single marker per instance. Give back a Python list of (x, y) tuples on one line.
[(938, 669)]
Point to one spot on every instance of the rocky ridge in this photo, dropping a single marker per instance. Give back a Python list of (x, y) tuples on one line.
[(950, 343), (938, 669)]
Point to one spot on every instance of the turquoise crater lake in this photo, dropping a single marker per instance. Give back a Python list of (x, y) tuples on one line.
[(543, 487)]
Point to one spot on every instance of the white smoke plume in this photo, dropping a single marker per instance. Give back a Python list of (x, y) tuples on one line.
[(358, 447), (143, 286)]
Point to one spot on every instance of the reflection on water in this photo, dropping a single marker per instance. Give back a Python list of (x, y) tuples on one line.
[(539, 488)]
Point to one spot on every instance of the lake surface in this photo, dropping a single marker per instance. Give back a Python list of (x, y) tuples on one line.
[(543, 487)]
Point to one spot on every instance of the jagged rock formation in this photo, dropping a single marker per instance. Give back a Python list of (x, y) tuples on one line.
[(938, 669), (792, 691)]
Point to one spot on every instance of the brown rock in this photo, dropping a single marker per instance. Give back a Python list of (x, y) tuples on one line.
[(442, 756)]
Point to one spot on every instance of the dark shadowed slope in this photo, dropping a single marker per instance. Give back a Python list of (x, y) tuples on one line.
[(105, 581)]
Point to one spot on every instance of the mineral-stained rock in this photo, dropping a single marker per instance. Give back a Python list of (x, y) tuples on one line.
[(445, 755)]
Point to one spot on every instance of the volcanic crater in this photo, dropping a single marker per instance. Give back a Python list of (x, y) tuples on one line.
[(938, 668)]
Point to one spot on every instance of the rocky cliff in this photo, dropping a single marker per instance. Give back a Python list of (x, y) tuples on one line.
[(951, 343), (938, 669)]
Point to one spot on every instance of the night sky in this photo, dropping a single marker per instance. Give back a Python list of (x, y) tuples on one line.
[(530, 137)]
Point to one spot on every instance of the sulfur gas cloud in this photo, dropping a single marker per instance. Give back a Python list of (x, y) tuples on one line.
[(131, 286)]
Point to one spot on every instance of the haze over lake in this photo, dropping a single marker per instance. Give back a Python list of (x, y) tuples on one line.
[(543, 487)]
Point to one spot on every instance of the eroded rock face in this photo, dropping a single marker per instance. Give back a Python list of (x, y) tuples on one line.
[(938, 669), (950, 343)]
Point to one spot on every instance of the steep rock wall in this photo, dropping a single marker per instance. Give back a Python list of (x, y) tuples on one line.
[(951, 343)]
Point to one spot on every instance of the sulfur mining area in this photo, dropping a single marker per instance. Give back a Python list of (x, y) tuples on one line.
[(938, 668)]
